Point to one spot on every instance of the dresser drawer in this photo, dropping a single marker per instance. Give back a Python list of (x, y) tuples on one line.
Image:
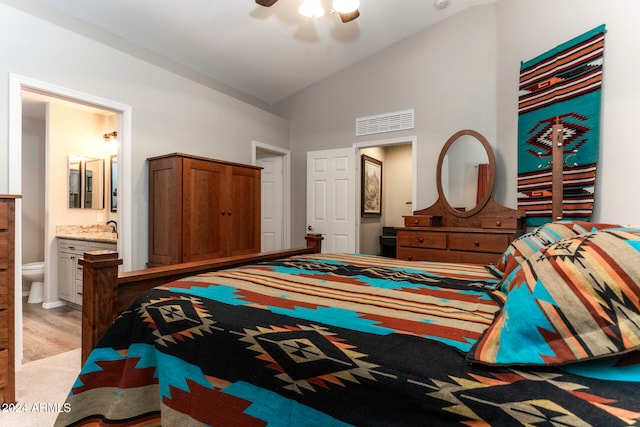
[(4, 215), (4, 368), (418, 254), (4, 329), (4, 250), (422, 239), (3, 289), (498, 222), (422, 221), (493, 243)]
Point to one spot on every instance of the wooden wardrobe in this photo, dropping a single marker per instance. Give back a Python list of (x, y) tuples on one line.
[(7, 288), (201, 208)]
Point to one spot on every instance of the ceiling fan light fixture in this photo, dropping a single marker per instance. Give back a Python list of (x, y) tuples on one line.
[(311, 9), (440, 4), (345, 6)]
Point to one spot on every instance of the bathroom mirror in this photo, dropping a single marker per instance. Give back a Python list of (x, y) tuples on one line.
[(86, 182), (113, 191), (74, 182), (466, 173)]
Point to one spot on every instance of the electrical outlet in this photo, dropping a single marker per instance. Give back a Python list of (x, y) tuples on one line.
[(100, 217)]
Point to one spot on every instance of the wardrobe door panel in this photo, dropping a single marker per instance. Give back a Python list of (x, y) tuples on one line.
[(244, 213), (203, 211), (165, 211)]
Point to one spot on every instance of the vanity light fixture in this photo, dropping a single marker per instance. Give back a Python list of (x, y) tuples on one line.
[(112, 136)]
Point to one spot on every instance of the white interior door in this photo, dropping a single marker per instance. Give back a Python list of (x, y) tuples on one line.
[(272, 197), (331, 198)]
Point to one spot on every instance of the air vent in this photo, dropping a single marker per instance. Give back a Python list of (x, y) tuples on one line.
[(387, 122)]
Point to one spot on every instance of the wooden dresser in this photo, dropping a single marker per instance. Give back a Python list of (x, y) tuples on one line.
[(7, 289), (480, 245), (201, 208), (478, 233)]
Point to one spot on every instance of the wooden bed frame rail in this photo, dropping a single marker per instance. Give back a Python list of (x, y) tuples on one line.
[(106, 293)]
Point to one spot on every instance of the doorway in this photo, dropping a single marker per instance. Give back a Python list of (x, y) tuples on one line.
[(18, 84), (275, 230), (399, 172), (334, 193)]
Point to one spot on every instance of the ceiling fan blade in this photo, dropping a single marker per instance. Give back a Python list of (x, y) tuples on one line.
[(348, 17), (266, 3)]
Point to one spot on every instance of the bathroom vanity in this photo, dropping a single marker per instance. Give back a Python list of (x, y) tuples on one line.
[(72, 244)]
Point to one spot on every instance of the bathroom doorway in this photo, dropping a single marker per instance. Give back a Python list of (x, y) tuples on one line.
[(375, 234), (18, 86)]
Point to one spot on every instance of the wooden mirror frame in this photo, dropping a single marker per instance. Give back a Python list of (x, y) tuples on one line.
[(486, 210), (492, 173)]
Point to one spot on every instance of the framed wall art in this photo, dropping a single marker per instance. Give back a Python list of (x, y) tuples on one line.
[(371, 184)]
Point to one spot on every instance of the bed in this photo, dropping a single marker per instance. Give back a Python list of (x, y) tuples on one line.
[(550, 335)]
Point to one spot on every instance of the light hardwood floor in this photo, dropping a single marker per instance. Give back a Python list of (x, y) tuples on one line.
[(49, 332)]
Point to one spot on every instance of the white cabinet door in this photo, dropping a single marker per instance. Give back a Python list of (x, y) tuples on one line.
[(67, 264), (331, 198)]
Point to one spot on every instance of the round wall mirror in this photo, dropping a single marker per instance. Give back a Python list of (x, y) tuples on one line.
[(466, 173)]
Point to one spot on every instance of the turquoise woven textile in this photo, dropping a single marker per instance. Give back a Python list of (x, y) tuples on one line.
[(564, 83)]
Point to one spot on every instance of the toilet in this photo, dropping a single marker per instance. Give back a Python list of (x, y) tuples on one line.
[(34, 273)]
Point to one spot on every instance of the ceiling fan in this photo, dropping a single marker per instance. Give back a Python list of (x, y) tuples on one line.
[(347, 9)]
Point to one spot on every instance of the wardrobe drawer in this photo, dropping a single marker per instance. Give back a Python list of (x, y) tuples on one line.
[(422, 239), (494, 243)]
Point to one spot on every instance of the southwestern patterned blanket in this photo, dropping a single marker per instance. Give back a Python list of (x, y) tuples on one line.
[(331, 340)]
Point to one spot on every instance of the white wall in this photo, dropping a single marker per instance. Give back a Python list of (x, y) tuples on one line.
[(463, 73), (398, 191), (169, 113), (33, 178), (528, 28), (446, 73)]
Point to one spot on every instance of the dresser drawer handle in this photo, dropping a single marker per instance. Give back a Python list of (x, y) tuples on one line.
[(415, 221), (410, 257), (498, 223), (421, 239), (476, 243)]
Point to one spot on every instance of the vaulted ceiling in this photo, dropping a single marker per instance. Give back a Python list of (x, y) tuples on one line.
[(260, 54)]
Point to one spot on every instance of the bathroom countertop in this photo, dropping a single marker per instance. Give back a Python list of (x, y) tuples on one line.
[(90, 233), (104, 237)]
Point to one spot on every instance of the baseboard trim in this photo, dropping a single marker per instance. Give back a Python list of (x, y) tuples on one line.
[(48, 305)]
